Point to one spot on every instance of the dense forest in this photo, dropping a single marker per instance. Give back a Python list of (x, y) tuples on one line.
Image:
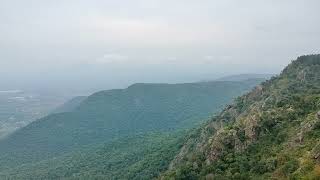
[(272, 132), (131, 133)]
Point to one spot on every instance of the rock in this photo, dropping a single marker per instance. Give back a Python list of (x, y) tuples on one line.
[(209, 177), (300, 138), (250, 128), (302, 76), (305, 128), (316, 151), (318, 115)]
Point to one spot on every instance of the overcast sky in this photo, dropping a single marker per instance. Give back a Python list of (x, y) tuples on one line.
[(113, 43)]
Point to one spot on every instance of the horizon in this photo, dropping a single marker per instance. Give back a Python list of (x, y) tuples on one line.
[(87, 93)]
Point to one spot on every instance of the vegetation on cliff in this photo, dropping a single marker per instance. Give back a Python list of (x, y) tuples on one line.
[(271, 132)]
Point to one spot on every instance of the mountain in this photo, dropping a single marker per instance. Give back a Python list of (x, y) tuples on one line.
[(273, 132), (114, 116), (70, 105), (243, 77)]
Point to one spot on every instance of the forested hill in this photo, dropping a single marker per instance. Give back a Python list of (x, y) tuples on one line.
[(70, 105), (243, 77), (115, 114), (273, 132)]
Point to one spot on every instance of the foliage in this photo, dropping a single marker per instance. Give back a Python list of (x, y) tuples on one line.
[(139, 157), (69, 144), (274, 135)]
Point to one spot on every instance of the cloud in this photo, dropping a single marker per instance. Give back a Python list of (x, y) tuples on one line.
[(149, 4), (152, 32), (112, 58), (209, 57), (34, 36), (172, 59)]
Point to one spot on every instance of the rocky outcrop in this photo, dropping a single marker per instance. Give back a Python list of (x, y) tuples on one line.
[(306, 127), (302, 75), (316, 151)]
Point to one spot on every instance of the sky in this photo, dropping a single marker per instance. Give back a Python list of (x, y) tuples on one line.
[(88, 45)]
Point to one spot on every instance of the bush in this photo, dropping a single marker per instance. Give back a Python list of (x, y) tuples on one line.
[(290, 166)]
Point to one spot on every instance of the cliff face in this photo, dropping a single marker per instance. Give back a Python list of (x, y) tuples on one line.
[(271, 132)]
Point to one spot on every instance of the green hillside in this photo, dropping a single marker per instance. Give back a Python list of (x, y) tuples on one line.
[(70, 105), (137, 157), (50, 144), (272, 132)]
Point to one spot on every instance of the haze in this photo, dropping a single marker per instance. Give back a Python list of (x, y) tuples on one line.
[(85, 46)]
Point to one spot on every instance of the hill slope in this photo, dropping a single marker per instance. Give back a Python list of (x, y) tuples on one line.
[(111, 115), (70, 105), (271, 132), (139, 157), (243, 77)]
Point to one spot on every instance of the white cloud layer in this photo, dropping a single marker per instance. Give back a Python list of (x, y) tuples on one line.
[(208, 35), (112, 58)]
